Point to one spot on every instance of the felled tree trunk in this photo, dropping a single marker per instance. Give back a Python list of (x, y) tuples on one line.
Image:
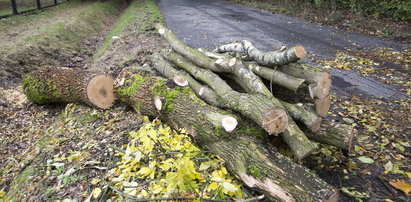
[(63, 85), (258, 166), (271, 58), (318, 80)]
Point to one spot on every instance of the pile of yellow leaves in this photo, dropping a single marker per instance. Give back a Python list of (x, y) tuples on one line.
[(160, 162)]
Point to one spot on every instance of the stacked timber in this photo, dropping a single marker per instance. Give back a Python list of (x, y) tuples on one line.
[(273, 94), (281, 94)]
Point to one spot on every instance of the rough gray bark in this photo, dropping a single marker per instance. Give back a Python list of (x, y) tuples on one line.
[(257, 165), (271, 58), (63, 85)]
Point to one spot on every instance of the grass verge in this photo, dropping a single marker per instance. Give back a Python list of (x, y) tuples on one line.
[(145, 12)]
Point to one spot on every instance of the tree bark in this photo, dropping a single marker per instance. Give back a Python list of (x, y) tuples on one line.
[(258, 166), (318, 80), (271, 58), (63, 85), (267, 114)]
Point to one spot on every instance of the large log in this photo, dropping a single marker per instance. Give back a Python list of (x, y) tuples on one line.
[(271, 58), (63, 85), (258, 166), (294, 137)]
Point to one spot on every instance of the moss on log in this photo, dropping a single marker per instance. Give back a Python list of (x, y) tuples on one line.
[(258, 166), (63, 85)]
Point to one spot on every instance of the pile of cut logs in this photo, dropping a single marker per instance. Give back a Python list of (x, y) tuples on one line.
[(229, 100)]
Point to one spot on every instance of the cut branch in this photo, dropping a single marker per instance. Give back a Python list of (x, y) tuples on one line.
[(63, 85), (271, 58), (258, 166)]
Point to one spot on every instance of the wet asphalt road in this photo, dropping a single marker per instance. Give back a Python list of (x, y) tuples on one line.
[(210, 23)]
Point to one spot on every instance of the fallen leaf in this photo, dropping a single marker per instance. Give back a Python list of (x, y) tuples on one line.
[(388, 167), (365, 159), (401, 185), (96, 192)]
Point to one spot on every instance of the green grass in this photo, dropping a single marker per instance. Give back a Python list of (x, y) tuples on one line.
[(6, 12), (143, 13)]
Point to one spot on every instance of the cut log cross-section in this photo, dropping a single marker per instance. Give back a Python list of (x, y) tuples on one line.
[(258, 166), (64, 85)]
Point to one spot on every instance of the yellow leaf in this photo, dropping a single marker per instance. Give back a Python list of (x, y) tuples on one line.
[(401, 185), (144, 171), (96, 192), (408, 174), (95, 181), (229, 187), (224, 172), (2, 193), (212, 186), (146, 120), (205, 165)]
